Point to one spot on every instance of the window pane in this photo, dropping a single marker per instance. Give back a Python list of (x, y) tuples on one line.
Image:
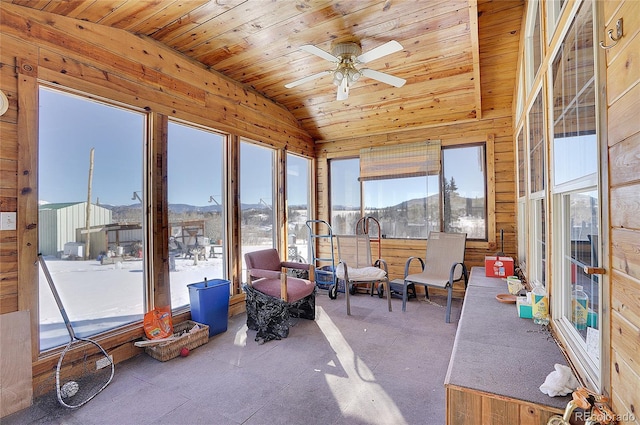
[(536, 41), (406, 207), (522, 165), (574, 112), (533, 46), (523, 239), (298, 207), (101, 279), (464, 192), (257, 176), (539, 248), (575, 159), (582, 234), (196, 211), (537, 145), (345, 195)]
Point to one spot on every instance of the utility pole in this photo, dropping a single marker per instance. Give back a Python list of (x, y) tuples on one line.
[(88, 222)]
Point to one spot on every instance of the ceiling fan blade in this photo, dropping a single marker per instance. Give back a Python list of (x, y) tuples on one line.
[(343, 90), (382, 77), (310, 48), (306, 79), (380, 51)]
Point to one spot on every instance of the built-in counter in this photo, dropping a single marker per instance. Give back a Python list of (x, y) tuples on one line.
[(499, 361)]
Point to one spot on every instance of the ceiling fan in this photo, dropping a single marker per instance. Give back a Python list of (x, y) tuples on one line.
[(346, 56)]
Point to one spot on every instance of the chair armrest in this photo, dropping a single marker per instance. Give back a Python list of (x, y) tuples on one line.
[(300, 266), (269, 274), (295, 265), (408, 264), (382, 264), (464, 274)]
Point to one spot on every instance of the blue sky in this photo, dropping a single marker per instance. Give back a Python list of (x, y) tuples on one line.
[(70, 126)]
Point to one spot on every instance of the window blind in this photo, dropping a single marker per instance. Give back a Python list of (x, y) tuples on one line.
[(410, 160)]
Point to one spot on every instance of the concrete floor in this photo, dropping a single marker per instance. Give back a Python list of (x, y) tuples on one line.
[(373, 367)]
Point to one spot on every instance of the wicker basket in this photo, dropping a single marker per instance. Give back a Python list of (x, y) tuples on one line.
[(171, 349)]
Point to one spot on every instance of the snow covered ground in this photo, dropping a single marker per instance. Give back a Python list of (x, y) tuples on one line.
[(99, 297)]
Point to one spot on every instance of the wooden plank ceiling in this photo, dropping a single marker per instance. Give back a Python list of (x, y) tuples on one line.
[(256, 42)]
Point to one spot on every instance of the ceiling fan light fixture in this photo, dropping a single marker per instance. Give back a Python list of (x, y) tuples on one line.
[(345, 57)]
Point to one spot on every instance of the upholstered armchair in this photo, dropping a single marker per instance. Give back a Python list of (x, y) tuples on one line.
[(274, 297)]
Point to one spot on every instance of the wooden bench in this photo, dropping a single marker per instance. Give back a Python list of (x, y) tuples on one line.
[(499, 361)]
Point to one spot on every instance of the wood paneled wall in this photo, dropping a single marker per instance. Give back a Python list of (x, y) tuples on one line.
[(116, 65), (499, 35), (623, 102)]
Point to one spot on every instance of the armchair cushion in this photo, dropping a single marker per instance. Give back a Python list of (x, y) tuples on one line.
[(296, 288)]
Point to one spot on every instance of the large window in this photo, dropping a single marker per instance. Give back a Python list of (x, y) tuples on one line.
[(576, 191), (523, 238), (533, 42), (464, 191), (91, 222), (196, 208), (345, 195), (537, 191), (257, 197), (408, 191), (559, 206), (298, 207)]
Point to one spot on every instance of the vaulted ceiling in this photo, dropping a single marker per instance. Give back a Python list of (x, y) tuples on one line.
[(257, 43)]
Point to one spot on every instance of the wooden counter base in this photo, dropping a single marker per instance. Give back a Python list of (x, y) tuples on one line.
[(498, 362)]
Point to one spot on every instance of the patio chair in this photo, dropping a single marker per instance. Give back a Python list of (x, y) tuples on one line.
[(443, 265), (356, 266), (273, 297)]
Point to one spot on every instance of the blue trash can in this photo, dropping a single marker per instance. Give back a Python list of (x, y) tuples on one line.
[(210, 304)]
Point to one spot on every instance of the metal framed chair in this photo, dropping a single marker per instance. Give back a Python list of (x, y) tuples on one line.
[(273, 296), (443, 265), (356, 266)]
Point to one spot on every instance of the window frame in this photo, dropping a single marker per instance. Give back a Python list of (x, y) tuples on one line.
[(145, 200), (220, 197), (310, 206), (490, 226), (274, 206), (534, 9), (554, 220), (482, 145), (594, 372)]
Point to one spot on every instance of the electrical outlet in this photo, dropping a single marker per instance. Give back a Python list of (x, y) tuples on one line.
[(7, 221), (102, 363)]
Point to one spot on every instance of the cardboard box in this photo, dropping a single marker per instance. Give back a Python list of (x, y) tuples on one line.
[(524, 308), (498, 266)]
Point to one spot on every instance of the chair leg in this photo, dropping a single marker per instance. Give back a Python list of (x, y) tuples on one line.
[(449, 294), (404, 296), (387, 288), (346, 291)]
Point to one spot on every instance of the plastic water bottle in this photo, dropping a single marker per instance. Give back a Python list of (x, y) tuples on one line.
[(580, 308), (540, 305)]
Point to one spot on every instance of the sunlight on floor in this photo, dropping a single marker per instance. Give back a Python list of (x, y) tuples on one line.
[(241, 337), (363, 388)]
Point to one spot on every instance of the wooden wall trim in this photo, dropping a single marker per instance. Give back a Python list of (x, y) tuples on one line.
[(158, 249), (475, 52), (27, 217), (491, 191)]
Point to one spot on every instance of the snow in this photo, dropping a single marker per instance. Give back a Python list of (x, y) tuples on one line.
[(100, 297)]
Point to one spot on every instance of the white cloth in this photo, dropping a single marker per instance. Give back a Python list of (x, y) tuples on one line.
[(560, 382), (361, 274)]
